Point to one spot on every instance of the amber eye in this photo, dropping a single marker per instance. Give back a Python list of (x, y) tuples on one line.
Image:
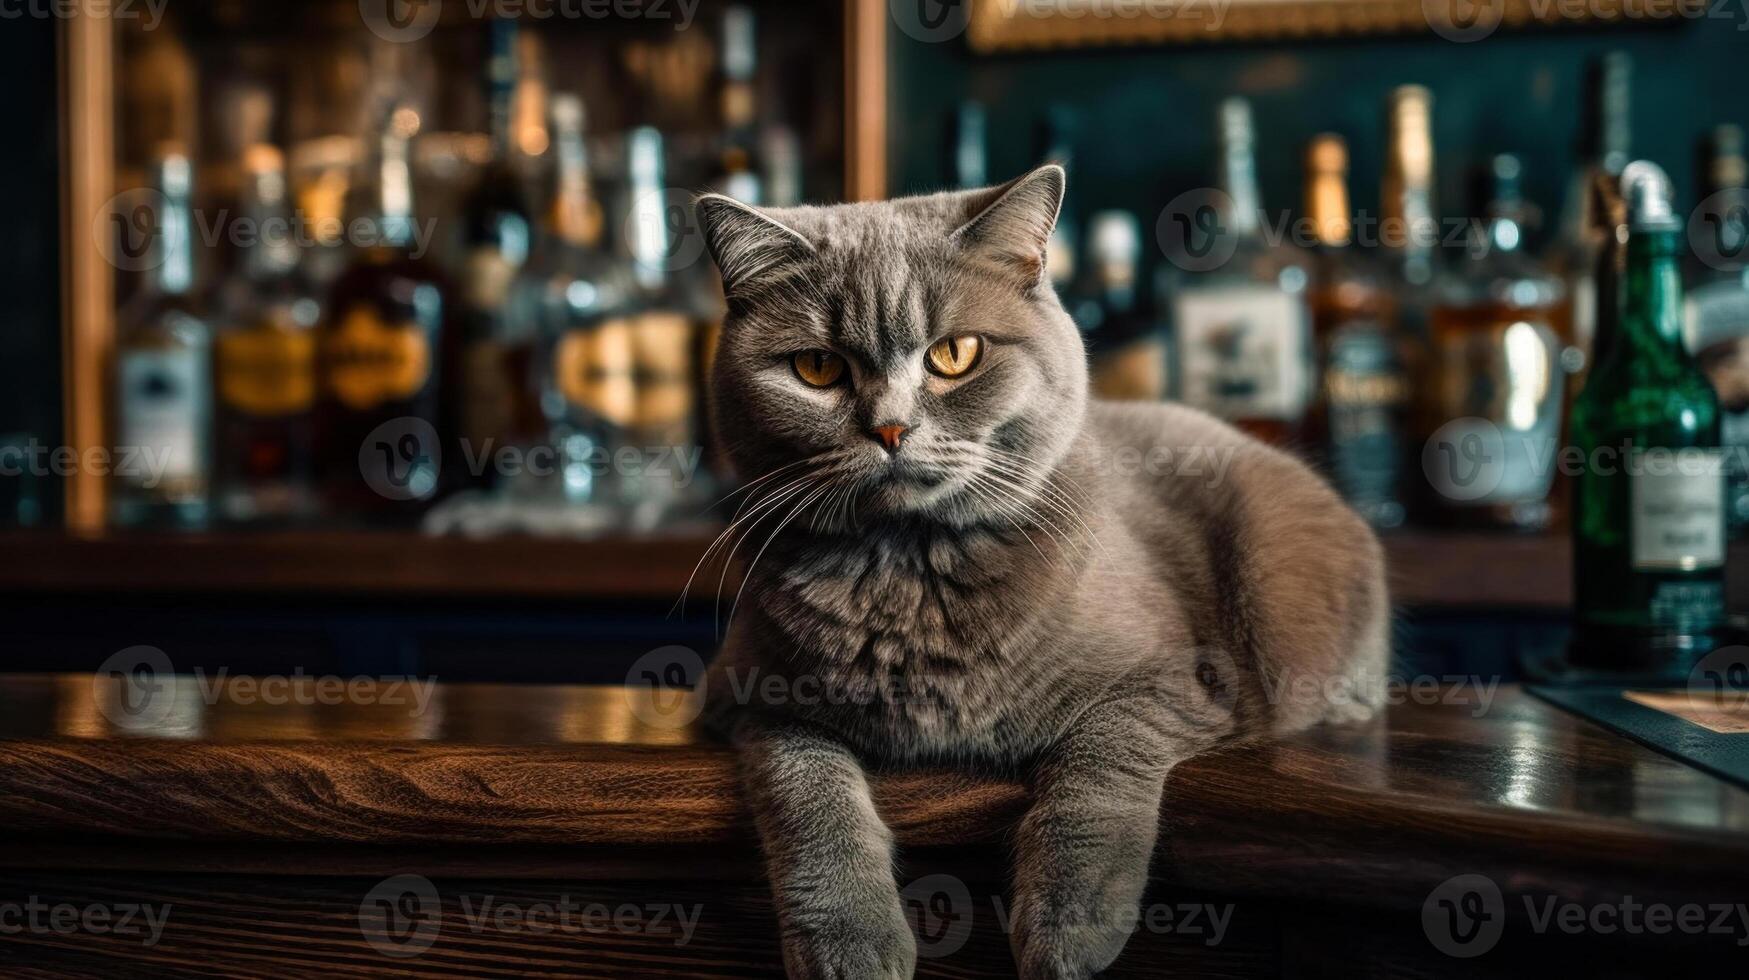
[(820, 368), (955, 356)]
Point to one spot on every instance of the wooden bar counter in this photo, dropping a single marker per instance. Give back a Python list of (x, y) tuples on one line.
[(306, 826)]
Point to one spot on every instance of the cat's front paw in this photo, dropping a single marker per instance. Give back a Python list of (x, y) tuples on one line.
[(851, 951), (1068, 943)]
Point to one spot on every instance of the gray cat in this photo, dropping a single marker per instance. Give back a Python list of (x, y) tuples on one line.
[(965, 562)]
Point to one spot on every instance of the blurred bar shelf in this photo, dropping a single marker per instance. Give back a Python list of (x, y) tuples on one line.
[(1447, 571)]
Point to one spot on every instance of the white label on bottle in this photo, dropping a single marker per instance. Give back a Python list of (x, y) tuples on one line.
[(163, 416), (1678, 499), (1243, 352)]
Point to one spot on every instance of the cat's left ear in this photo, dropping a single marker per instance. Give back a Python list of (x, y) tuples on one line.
[(751, 248), (1014, 229)]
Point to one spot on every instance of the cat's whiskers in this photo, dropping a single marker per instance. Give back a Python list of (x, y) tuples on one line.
[(1016, 480), (1002, 511), (793, 512), (735, 522), (790, 492)]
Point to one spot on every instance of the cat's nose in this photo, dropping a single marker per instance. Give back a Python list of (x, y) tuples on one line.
[(889, 435)]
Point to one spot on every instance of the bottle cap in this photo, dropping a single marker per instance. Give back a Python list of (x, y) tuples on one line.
[(1649, 195)]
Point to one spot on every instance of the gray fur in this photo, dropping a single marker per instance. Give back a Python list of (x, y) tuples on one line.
[(1003, 593)]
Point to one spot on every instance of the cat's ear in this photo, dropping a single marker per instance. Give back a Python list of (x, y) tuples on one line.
[(750, 247), (1013, 229)]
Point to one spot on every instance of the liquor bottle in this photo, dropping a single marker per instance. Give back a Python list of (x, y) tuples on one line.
[(968, 157), (1604, 149), (1716, 311), (1242, 329), (163, 371), (663, 334), (496, 408), (265, 361), (1127, 345), (1649, 502), (579, 294), (1409, 232), (1057, 145), (383, 351), (1356, 419), (739, 168), (1494, 395)]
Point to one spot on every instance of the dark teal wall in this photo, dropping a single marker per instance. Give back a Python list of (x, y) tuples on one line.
[(1147, 114)]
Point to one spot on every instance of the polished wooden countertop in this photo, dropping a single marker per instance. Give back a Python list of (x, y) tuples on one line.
[(1445, 783), (1427, 569)]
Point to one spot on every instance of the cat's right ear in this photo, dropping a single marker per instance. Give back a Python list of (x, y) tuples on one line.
[(1013, 230), (751, 248)]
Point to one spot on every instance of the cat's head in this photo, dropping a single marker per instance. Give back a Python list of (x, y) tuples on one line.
[(911, 349)]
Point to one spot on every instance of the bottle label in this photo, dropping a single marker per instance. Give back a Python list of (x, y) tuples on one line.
[(1678, 509), (1500, 386), (593, 369), (1364, 390), (370, 362), (163, 415), (662, 346), (1242, 352), (267, 371)]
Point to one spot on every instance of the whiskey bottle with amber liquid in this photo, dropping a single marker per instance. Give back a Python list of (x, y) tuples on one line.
[(1649, 501), (384, 431), (1492, 403), (265, 361), (577, 294), (1356, 419)]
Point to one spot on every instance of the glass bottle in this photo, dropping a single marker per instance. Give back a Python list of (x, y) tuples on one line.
[(664, 338), (1649, 501), (739, 168), (496, 408), (968, 157), (1493, 399), (1716, 311), (1604, 150), (163, 365), (1356, 418), (1057, 145), (579, 294), (1127, 345), (1242, 329), (384, 351), (265, 361)]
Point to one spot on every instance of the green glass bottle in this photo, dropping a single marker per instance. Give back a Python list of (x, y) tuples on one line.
[(1648, 498)]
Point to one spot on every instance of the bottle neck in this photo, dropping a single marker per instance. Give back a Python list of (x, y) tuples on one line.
[(1652, 291), (573, 219), (172, 258), (393, 197), (1327, 208), (1409, 227), (1239, 180), (273, 253)]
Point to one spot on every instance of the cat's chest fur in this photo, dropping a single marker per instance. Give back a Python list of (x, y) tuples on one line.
[(912, 642)]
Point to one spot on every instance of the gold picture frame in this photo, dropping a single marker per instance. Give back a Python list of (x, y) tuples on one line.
[(1010, 25)]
